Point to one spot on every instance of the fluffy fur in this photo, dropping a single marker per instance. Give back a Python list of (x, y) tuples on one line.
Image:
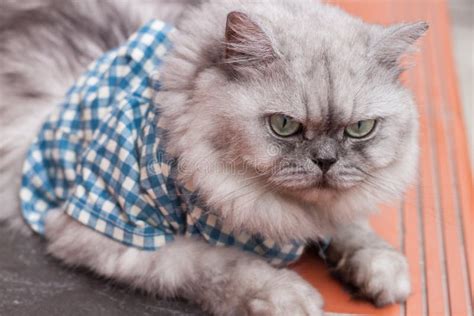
[(309, 61)]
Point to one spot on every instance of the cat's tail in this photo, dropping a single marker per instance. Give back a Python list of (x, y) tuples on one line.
[(44, 46)]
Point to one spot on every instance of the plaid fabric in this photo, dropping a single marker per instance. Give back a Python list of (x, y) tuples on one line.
[(102, 159)]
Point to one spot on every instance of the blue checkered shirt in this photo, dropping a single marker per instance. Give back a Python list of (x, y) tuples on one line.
[(101, 158)]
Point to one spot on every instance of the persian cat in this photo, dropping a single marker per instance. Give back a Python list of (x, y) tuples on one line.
[(287, 123)]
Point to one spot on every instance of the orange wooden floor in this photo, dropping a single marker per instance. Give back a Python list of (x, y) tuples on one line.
[(433, 225)]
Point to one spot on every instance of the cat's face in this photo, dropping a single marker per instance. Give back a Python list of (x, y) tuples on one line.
[(316, 114), (302, 132)]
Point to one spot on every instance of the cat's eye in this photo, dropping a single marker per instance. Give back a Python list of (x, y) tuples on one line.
[(283, 125), (360, 129)]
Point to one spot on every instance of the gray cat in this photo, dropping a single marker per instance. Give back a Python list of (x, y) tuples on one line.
[(286, 116)]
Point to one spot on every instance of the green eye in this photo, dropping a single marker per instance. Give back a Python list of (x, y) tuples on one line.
[(360, 129), (283, 125)]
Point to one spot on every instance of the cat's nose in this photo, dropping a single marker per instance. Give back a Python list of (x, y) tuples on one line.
[(324, 163)]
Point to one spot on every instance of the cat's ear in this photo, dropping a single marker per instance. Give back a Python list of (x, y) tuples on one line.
[(246, 44), (396, 41)]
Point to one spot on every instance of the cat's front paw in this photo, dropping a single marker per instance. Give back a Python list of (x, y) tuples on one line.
[(286, 294), (381, 275)]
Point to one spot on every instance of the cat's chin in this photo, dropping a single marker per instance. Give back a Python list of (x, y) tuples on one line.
[(319, 187), (323, 192)]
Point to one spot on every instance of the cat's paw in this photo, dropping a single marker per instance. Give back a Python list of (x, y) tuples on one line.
[(286, 294), (380, 275)]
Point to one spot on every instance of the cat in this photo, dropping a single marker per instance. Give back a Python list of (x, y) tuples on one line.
[(288, 119)]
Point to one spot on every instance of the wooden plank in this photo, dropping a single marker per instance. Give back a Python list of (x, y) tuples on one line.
[(443, 167), (463, 185)]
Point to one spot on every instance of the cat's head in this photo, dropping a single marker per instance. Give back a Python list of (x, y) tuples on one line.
[(299, 102)]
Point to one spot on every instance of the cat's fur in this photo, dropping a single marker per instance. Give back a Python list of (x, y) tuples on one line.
[(309, 61)]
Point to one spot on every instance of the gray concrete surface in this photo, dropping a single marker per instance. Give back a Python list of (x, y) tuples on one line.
[(32, 283), (462, 17)]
